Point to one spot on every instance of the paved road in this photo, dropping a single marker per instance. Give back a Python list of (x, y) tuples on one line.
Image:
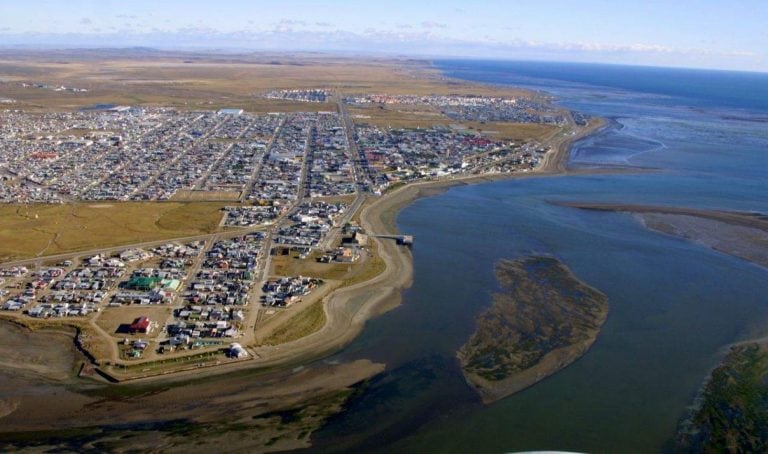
[(257, 168)]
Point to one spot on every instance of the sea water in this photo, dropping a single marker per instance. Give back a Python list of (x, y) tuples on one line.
[(674, 305)]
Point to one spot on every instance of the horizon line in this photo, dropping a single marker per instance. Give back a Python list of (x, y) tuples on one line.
[(233, 50)]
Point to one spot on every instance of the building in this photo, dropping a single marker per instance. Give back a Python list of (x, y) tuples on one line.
[(236, 351), (230, 112), (347, 255), (140, 325), (142, 283)]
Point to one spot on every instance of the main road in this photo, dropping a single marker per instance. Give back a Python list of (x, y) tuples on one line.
[(362, 181)]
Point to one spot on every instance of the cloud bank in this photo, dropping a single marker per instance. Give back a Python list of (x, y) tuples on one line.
[(423, 39)]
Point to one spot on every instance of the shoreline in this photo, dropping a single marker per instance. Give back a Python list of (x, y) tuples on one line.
[(347, 309)]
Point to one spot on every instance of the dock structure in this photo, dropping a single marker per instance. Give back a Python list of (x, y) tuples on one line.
[(404, 240)]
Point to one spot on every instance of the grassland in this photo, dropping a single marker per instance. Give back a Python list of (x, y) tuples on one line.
[(369, 266), (312, 318), (113, 319), (188, 81), (393, 117), (30, 230), (303, 323), (194, 195), (733, 416), (514, 131)]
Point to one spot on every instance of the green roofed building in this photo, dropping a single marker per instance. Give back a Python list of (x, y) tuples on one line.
[(171, 284), (142, 283)]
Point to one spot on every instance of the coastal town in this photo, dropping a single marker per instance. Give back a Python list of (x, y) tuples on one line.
[(270, 160), (385, 226), (290, 184)]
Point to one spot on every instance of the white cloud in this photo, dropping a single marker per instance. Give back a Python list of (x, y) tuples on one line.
[(433, 24), (400, 39), (292, 22)]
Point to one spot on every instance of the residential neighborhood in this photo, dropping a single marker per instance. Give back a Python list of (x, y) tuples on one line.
[(289, 183)]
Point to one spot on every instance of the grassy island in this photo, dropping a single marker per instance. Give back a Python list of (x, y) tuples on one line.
[(542, 321), (732, 416)]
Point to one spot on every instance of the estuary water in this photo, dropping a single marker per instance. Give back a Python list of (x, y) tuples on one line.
[(674, 305)]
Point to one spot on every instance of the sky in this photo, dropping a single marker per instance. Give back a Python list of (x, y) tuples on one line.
[(721, 34)]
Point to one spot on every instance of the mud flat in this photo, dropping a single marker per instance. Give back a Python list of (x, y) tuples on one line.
[(245, 411), (543, 320), (740, 234)]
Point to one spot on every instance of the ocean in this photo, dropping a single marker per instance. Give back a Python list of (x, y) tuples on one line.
[(674, 305)]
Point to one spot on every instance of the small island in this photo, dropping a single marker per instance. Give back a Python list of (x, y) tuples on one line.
[(730, 413), (543, 320)]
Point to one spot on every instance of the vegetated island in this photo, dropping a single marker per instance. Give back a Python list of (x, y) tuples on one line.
[(740, 234), (543, 320), (731, 413)]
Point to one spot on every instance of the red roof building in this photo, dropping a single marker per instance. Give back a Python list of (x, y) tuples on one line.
[(140, 325)]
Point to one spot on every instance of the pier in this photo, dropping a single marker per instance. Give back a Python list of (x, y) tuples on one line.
[(403, 240)]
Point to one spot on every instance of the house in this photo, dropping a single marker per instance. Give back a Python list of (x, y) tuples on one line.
[(347, 255), (140, 325)]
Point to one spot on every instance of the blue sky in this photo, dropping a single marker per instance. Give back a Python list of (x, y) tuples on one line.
[(696, 33)]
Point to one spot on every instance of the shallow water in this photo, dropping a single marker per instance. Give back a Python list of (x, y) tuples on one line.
[(673, 304)]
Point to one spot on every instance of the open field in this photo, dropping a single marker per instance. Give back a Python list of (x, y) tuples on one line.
[(514, 131), (388, 116), (194, 81), (112, 319), (198, 196), (55, 229), (303, 323), (392, 117)]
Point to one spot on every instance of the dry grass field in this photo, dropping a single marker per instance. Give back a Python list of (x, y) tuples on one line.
[(515, 131), (31, 230), (199, 196), (394, 117), (301, 324), (369, 265), (193, 81), (113, 318)]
